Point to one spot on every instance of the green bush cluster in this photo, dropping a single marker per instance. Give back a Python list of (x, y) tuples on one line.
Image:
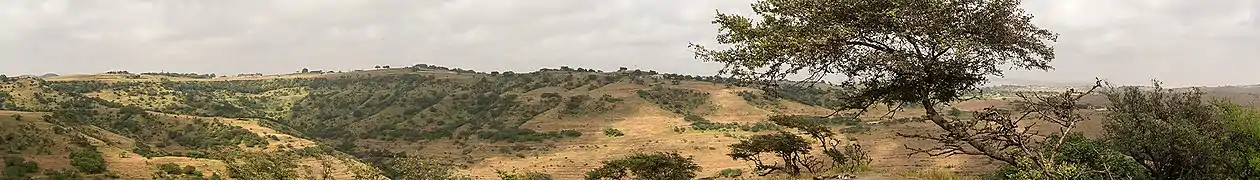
[(701, 124), (526, 135), (88, 160), (659, 165), (680, 101), (18, 168), (759, 100), (613, 132)]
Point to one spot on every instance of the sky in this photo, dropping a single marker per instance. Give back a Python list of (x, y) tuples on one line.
[(1179, 42)]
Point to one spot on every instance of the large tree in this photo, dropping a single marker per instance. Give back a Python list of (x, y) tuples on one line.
[(926, 52)]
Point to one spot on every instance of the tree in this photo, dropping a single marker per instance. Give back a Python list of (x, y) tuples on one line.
[(1180, 135), (622, 69), (789, 147), (655, 166), (304, 71), (890, 51), (4, 78)]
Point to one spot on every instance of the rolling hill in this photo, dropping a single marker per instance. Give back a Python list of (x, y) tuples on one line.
[(391, 122)]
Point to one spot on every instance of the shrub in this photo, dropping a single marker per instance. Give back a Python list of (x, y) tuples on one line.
[(731, 173), (18, 168), (680, 101), (170, 168), (529, 175), (613, 132), (1178, 135), (657, 166), (88, 160), (64, 174)]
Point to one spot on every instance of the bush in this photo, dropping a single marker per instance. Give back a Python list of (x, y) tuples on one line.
[(702, 124), (760, 126), (656, 166), (680, 101), (529, 175), (1179, 135), (613, 132), (64, 174), (88, 160), (731, 173), (1082, 155), (18, 168), (170, 168)]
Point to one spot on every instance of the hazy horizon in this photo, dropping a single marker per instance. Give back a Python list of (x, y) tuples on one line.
[(1182, 43)]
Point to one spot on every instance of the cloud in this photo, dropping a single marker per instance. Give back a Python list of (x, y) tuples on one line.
[(1181, 42)]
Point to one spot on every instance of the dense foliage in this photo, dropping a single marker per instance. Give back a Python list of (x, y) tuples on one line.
[(1180, 135), (18, 168), (655, 166), (680, 101), (88, 160)]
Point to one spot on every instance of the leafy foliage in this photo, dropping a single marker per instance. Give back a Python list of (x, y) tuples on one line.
[(261, 166), (731, 173), (889, 51), (1081, 158), (584, 105), (787, 146), (528, 175), (417, 168), (613, 132), (680, 101), (1178, 135), (18, 168), (702, 124), (656, 166), (759, 100), (88, 160), (795, 151)]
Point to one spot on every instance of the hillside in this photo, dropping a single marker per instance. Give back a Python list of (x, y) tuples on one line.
[(395, 122)]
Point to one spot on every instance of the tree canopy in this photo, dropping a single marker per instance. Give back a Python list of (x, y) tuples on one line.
[(888, 51), (897, 50)]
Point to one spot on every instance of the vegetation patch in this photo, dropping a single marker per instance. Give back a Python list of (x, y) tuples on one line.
[(759, 100), (680, 101)]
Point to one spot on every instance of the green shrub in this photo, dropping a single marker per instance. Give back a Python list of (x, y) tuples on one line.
[(680, 101), (528, 175), (731, 173), (18, 168), (170, 168), (656, 166), (760, 126), (64, 174), (88, 160), (701, 124), (613, 132), (759, 100)]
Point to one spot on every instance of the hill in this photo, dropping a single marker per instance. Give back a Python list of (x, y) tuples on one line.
[(432, 121)]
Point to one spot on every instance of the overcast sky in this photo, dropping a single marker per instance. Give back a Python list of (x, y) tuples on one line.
[(1181, 42)]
